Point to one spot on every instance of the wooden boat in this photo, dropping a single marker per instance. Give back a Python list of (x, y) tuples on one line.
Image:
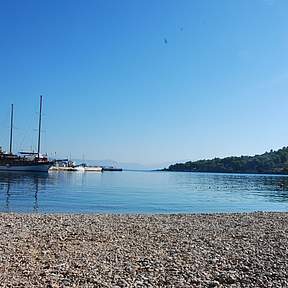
[(26, 161)]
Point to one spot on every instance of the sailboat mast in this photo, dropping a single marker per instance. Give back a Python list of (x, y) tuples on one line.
[(11, 128), (39, 130)]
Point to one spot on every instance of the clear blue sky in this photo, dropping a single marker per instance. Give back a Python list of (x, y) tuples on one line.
[(146, 81)]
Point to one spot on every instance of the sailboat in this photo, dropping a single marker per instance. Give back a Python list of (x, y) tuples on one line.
[(26, 161)]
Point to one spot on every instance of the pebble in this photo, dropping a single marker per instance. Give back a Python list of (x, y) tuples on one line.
[(196, 250)]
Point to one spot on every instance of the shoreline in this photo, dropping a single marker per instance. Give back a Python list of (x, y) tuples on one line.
[(226, 172), (140, 250)]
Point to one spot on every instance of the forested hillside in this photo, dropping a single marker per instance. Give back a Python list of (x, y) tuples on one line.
[(275, 162)]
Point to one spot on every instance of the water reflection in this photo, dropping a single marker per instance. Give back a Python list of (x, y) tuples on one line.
[(8, 196), (21, 186), (142, 192)]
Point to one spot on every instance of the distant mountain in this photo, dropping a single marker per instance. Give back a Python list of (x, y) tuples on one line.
[(123, 165), (273, 162)]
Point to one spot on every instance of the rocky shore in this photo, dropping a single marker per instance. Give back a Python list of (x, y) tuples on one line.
[(216, 250)]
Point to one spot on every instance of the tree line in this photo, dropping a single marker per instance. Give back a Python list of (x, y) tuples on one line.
[(274, 162)]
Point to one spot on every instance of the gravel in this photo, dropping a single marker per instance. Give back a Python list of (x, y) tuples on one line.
[(211, 250)]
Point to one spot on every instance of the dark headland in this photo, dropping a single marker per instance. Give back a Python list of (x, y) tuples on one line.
[(273, 162)]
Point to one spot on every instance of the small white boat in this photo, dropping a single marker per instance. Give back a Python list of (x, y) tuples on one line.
[(79, 168), (93, 169), (65, 165), (85, 168), (61, 169)]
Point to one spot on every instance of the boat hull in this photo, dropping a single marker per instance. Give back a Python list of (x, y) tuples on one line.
[(93, 169), (112, 169), (76, 169), (37, 167)]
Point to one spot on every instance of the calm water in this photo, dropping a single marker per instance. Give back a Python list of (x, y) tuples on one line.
[(142, 192)]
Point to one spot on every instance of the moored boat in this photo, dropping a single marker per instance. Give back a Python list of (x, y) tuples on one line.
[(25, 161), (11, 162), (93, 169), (84, 168), (112, 169), (67, 166)]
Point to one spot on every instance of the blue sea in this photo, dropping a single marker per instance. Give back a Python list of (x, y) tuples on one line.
[(141, 192)]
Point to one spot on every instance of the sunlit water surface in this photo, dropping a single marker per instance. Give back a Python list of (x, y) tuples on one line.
[(142, 192)]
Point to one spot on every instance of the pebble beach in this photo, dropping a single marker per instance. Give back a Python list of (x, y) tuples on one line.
[(195, 250)]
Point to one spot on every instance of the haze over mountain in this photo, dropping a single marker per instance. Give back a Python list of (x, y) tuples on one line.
[(145, 81), (124, 165)]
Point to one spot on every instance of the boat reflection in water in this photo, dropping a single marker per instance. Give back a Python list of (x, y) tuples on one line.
[(12, 194)]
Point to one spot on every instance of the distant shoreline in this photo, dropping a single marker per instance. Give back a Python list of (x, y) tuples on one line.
[(219, 172), (184, 250)]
